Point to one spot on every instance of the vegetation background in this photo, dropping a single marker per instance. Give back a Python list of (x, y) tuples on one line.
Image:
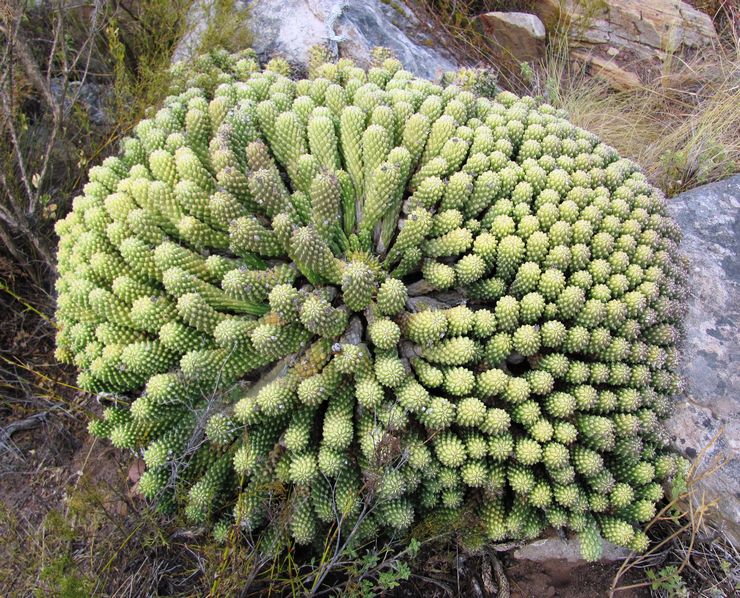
[(75, 76)]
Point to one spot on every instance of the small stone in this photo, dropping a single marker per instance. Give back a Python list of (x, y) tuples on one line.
[(612, 51), (519, 35), (564, 548)]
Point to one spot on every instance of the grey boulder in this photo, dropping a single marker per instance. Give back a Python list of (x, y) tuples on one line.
[(709, 407), (289, 28)]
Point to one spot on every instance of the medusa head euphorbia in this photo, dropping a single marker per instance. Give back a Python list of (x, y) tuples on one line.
[(384, 297)]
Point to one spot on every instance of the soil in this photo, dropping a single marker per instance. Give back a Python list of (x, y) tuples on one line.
[(561, 579)]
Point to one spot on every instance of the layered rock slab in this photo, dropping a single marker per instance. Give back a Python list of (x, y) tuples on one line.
[(649, 28)]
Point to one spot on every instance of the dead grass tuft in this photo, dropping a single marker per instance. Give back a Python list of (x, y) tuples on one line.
[(681, 127), (689, 556)]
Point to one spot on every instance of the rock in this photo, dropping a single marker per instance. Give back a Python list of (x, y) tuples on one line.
[(554, 13), (710, 405), (519, 35), (356, 27), (607, 70), (290, 27), (666, 25), (650, 29), (95, 98), (420, 287), (616, 36), (564, 548)]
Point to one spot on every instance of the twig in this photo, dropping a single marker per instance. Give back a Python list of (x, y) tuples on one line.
[(17, 42), (695, 516), (21, 425), (504, 590)]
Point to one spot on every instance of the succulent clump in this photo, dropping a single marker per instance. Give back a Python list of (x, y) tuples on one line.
[(368, 290)]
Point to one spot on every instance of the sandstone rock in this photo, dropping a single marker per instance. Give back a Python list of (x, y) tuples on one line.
[(710, 405), (650, 29), (290, 27), (554, 13), (519, 35), (607, 70)]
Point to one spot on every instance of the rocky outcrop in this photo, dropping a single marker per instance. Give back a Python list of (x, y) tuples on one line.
[(95, 98), (709, 409), (289, 28), (517, 36), (620, 41), (648, 28)]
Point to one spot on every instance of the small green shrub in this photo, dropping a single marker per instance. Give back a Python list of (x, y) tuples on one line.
[(668, 579)]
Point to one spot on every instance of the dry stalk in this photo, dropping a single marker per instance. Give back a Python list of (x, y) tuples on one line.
[(686, 519)]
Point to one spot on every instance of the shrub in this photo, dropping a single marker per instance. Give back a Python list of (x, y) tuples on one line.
[(388, 298)]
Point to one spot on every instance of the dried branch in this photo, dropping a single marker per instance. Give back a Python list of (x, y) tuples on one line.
[(18, 46), (24, 182)]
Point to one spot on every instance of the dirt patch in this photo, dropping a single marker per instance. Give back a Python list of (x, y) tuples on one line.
[(42, 416), (560, 579)]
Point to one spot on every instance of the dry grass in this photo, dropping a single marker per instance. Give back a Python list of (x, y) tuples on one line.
[(69, 522), (74, 77), (680, 127), (96, 540), (452, 24)]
